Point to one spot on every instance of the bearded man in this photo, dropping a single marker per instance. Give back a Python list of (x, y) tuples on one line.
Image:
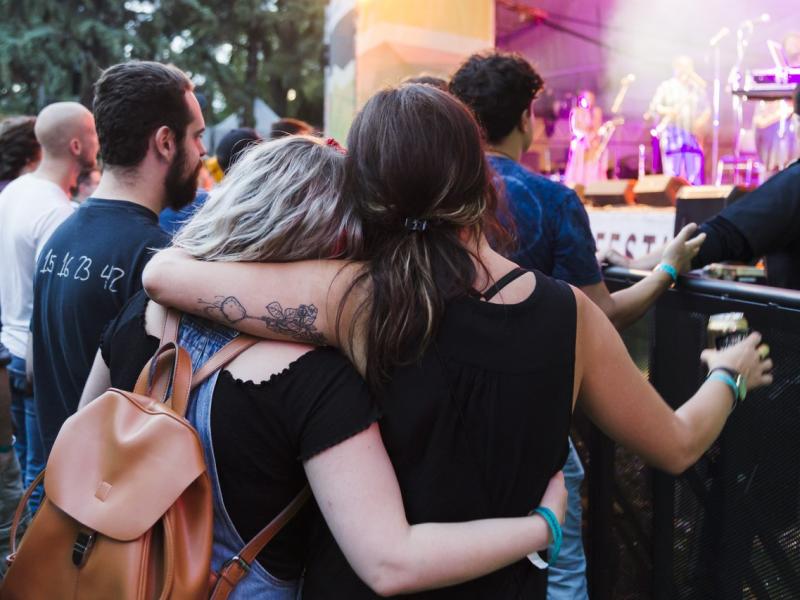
[(150, 128)]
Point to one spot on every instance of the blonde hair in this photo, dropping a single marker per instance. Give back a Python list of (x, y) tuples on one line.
[(279, 202)]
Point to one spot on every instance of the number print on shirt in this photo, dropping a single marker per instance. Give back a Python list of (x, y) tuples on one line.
[(49, 262), (83, 273), (64, 272), (111, 275)]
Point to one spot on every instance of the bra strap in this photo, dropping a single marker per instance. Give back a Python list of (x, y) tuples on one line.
[(502, 282)]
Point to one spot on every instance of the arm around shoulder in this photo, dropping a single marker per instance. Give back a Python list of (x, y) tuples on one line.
[(295, 301)]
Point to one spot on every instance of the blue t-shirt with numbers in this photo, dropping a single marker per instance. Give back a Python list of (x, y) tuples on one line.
[(552, 224), (88, 269)]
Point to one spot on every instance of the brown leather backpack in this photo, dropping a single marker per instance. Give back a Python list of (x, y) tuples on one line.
[(127, 512)]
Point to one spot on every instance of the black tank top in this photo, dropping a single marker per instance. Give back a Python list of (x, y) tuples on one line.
[(475, 430)]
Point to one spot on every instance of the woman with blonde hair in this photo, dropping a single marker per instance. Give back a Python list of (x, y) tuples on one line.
[(477, 364), (283, 413)]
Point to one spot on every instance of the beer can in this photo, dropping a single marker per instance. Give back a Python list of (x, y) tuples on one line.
[(727, 329)]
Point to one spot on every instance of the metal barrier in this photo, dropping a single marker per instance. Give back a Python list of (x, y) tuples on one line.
[(729, 527)]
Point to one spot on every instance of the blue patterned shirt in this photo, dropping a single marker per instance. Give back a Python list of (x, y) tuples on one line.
[(552, 224)]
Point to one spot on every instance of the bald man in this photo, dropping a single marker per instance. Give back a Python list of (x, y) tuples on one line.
[(31, 208)]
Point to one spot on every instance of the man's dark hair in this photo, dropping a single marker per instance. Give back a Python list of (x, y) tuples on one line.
[(498, 87), (287, 127), (18, 145), (131, 101)]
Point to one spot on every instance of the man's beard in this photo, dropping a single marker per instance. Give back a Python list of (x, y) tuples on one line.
[(87, 162), (180, 188)]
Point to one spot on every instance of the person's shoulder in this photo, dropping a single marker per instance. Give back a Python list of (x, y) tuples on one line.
[(35, 192), (517, 173), (557, 289), (783, 186), (68, 230), (145, 233), (42, 190), (155, 237), (312, 372), (793, 171), (551, 189)]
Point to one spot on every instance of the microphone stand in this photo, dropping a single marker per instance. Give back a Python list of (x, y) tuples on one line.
[(717, 85)]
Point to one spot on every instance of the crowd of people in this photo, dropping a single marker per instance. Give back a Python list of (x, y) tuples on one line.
[(431, 312)]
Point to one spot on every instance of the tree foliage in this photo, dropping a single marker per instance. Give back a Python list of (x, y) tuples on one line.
[(235, 51)]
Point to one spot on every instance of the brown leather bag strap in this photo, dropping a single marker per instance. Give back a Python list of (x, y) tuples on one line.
[(218, 360), (222, 357), (172, 322), (21, 507), (169, 553), (236, 568), (171, 364)]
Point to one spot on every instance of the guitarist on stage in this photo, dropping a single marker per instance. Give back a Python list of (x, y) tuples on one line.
[(588, 156)]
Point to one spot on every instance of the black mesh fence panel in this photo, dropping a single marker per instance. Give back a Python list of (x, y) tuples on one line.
[(734, 515), (729, 527)]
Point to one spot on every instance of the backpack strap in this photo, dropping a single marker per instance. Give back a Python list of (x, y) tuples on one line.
[(159, 380), (218, 360), (20, 512), (222, 357), (170, 369), (172, 322), (237, 567)]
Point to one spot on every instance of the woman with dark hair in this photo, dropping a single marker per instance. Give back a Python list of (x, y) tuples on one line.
[(477, 364), (20, 152)]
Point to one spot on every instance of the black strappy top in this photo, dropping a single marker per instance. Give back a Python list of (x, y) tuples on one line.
[(475, 430)]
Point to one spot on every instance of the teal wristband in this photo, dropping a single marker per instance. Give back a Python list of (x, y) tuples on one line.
[(9, 447), (669, 270), (555, 529), (722, 376)]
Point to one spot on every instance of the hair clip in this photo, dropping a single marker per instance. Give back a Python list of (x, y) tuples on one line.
[(335, 145), (416, 224)]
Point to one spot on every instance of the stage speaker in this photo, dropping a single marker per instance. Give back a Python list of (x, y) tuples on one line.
[(698, 203), (612, 191), (658, 190)]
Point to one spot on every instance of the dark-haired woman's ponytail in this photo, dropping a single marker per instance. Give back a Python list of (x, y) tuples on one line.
[(413, 275)]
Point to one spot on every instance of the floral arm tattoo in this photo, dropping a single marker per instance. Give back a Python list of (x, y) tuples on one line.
[(297, 323)]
